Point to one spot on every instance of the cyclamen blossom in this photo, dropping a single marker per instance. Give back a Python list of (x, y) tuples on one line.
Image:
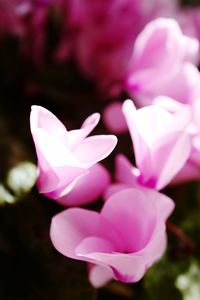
[(161, 143), (162, 63), (191, 169), (65, 156), (120, 242), (105, 34)]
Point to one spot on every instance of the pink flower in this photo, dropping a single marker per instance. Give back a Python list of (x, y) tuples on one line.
[(161, 143), (161, 64), (105, 34), (122, 241), (191, 169), (65, 156)]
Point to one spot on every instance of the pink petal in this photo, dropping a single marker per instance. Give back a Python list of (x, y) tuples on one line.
[(191, 50), (175, 151), (94, 148), (163, 204), (94, 244), (125, 267), (65, 186), (140, 148), (131, 205), (160, 44), (168, 103), (125, 172), (77, 135), (114, 119), (184, 85), (42, 118), (158, 140), (57, 165), (114, 188), (99, 275), (88, 188), (191, 170), (70, 227)]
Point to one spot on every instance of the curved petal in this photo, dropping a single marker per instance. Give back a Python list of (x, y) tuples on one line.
[(175, 149), (77, 135), (114, 188), (94, 244), (160, 44), (42, 118), (131, 205), (95, 148), (88, 188), (140, 146), (125, 172), (57, 165), (70, 227), (99, 275), (66, 183), (124, 267)]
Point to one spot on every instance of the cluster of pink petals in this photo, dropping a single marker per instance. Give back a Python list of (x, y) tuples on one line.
[(106, 31), (162, 64), (191, 169), (100, 32), (67, 159), (162, 52), (122, 46), (129, 234), (161, 144), (120, 242)]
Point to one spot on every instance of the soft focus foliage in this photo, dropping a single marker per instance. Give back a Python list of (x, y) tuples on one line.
[(188, 283)]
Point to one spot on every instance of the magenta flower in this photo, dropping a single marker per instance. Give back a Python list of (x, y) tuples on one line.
[(191, 169), (105, 34), (65, 156), (161, 64), (122, 241), (161, 143)]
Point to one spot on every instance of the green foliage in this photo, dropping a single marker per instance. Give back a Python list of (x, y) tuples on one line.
[(20, 180), (189, 282)]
